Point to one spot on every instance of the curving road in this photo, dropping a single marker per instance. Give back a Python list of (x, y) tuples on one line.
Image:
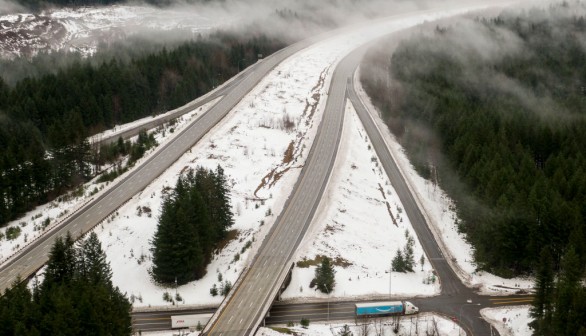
[(247, 306), (35, 255)]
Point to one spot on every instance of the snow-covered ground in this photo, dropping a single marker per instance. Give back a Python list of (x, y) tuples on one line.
[(262, 145), (82, 29), (360, 224), (421, 324), (440, 213), (47, 216), (511, 321)]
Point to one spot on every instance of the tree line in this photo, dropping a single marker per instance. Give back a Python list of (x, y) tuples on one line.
[(195, 217), (45, 120), (502, 130), (75, 297)]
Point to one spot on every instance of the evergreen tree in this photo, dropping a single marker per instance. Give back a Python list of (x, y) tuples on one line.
[(61, 264), (542, 306), (567, 289), (408, 254), (325, 278), (398, 263), (225, 217), (91, 262), (193, 220)]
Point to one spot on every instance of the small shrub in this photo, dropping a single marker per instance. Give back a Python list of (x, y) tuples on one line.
[(226, 287), (12, 232), (214, 290), (304, 322)]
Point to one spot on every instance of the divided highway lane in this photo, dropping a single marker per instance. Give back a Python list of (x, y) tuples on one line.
[(35, 255), (252, 298)]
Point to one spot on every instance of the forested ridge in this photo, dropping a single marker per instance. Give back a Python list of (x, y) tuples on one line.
[(494, 111), (45, 120)]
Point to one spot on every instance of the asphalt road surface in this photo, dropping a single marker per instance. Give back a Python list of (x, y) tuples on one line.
[(283, 313), (252, 298), (460, 300), (35, 255), (157, 121)]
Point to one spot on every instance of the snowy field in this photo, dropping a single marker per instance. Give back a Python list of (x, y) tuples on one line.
[(509, 321), (360, 224), (421, 324)]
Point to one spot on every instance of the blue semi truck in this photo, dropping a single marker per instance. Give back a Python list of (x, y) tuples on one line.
[(385, 308)]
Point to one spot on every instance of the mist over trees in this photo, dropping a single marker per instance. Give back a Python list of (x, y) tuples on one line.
[(195, 216), (494, 111), (76, 296), (45, 121)]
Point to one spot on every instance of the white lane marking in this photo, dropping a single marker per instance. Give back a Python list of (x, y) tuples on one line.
[(241, 320)]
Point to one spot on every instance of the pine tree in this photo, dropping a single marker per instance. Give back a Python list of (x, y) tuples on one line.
[(91, 262), (566, 290), (408, 254), (61, 265), (165, 242), (186, 236), (398, 263), (544, 288), (325, 276), (225, 216)]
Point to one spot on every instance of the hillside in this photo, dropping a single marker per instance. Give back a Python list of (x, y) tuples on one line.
[(493, 110)]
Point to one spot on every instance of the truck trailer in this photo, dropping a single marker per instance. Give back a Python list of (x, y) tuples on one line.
[(189, 321), (387, 308)]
